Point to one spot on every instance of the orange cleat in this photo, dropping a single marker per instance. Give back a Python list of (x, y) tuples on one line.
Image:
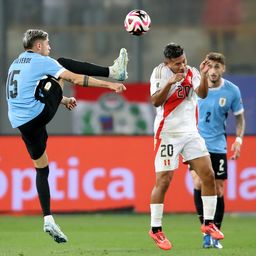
[(161, 240), (213, 231)]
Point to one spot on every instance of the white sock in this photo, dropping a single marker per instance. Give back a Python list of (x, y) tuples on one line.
[(49, 218), (110, 71), (209, 206), (156, 214)]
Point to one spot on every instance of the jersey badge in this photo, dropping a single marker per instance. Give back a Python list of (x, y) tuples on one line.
[(222, 102)]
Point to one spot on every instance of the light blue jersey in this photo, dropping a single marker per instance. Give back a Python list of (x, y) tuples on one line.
[(23, 77), (213, 112)]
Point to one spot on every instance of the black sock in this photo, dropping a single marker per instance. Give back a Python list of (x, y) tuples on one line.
[(199, 205), (43, 189), (219, 211), (156, 229), (207, 222), (84, 68)]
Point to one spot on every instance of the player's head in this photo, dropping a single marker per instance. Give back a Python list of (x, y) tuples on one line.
[(216, 66), (37, 41), (175, 58), (217, 57)]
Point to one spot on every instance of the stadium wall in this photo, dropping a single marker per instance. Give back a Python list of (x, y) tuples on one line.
[(110, 172)]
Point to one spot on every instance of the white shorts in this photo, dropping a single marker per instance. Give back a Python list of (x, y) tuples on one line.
[(169, 147)]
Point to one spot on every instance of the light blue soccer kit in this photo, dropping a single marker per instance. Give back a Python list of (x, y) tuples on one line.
[(213, 111), (23, 77)]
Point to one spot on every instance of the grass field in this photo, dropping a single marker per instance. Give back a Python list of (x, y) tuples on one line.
[(121, 234)]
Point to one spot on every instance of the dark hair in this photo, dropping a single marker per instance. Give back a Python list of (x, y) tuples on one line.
[(173, 50), (31, 35), (216, 56)]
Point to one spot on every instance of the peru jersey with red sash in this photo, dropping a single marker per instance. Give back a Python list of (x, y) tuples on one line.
[(178, 114)]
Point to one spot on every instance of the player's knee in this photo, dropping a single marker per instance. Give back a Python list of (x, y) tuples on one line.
[(163, 183), (208, 177)]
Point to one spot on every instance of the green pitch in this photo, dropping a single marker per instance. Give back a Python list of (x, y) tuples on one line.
[(121, 234)]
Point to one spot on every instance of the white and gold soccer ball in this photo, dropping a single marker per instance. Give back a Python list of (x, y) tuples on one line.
[(137, 22)]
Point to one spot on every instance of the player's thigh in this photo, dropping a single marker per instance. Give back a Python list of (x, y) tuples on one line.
[(194, 147), (202, 166), (35, 139)]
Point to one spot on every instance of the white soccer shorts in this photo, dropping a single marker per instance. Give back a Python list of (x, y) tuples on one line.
[(169, 147)]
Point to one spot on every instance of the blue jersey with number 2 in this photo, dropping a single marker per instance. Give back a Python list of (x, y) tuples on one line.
[(23, 77), (213, 112)]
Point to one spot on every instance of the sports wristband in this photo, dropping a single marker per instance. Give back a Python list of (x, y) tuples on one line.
[(86, 79), (239, 140)]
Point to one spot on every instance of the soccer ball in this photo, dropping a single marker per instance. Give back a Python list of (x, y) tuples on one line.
[(137, 22)]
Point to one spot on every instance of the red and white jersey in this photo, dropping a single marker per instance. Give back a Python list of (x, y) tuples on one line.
[(178, 114)]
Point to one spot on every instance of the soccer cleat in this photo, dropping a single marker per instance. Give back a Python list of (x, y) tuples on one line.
[(217, 244), (118, 70), (161, 240), (54, 230), (213, 231), (207, 242)]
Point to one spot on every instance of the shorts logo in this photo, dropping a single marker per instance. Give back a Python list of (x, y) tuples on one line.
[(47, 86), (167, 162), (222, 102)]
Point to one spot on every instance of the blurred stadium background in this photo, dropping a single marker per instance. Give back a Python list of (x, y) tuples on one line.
[(92, 30)]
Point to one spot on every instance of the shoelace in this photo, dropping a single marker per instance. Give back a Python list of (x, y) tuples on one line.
[(160, 236), (213, 227)]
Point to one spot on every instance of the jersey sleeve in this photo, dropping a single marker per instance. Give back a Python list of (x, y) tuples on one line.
[(158, 79), (195, 78), (51, 67), (237, 103)]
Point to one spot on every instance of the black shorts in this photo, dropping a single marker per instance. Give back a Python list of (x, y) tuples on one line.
[(219, 165), (34, 132)]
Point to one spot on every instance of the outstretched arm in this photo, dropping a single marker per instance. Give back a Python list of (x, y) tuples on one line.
[(88, 81)]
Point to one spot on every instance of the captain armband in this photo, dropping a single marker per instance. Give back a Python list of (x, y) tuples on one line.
[(86, 81)]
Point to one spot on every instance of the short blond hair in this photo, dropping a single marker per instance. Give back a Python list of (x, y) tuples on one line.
[(31, 35)]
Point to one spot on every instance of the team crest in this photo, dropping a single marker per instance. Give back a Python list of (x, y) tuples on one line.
[(222, 102), (167, 162)]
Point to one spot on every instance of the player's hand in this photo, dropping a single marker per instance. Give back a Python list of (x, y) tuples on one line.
[(176, 78), (117, 87), (204, 66), (70, 103), (235, 147)]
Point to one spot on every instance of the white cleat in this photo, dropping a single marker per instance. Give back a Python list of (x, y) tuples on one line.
[(118, 70), (54, 230), (217, 244)]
